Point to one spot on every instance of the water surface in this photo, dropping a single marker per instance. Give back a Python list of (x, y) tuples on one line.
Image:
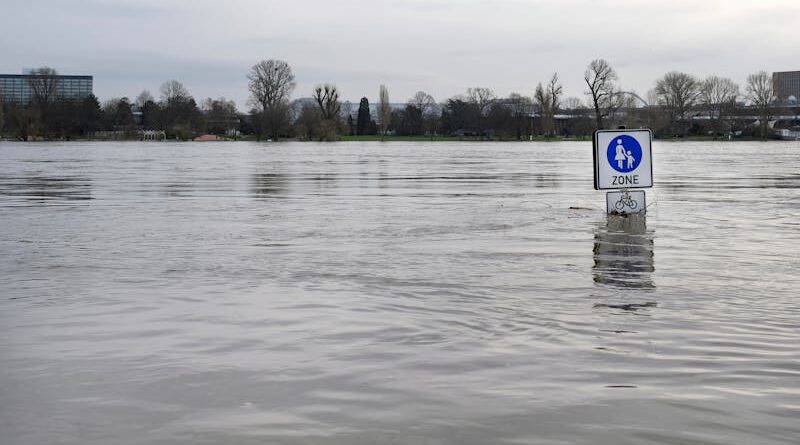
[(396, 293)]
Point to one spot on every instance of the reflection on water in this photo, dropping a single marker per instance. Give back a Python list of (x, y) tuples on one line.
[(718, 182), (546, 180), (323, 178), (268, 185), (322, 182), (178, 189), (623, 252), (41, 187)]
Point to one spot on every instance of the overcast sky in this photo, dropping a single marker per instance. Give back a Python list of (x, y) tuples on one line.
[(440, 46)]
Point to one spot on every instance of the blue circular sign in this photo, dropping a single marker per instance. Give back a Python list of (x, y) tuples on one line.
[(624, 153)]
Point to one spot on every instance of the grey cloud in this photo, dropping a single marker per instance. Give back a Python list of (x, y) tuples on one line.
[(441, 46)]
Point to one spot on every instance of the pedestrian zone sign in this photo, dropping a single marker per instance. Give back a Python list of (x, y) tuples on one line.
[(623, 159)]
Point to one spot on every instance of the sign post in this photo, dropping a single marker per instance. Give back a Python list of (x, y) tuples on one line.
[(623, 160)]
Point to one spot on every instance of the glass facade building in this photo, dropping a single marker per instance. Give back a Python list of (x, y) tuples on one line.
[(16, 88), (785, 84)]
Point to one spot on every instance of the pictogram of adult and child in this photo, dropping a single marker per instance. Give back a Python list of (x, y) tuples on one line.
[(624, 153)]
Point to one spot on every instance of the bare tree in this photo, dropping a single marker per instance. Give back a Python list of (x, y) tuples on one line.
[(149, 109), (628, 103), (327, 99), (715, 93), (384, 110), (208, 104), (573, 103), (44, 86), (346, 113), (549, 100), (307, 120), (426, 105), (521, 109), (542, 100), (759, 92), (221, 115), (678, 92), (346, 109), (270, 83), (173, 92), (179, 115), (554, 90), (143, 99), (652, 96), (482, 99), (601, 80), (423, 101)]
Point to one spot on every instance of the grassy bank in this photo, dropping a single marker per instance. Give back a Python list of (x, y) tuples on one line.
[(376, 138)]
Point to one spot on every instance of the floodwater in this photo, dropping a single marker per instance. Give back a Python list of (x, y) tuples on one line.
[(443, 293)]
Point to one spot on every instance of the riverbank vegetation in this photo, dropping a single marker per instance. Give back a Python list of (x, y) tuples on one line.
[(680, 105)]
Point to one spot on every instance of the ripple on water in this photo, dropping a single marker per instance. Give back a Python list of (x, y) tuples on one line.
[(417, 293)]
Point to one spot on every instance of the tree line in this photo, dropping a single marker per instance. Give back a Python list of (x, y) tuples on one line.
[(679, 105), (52, 115)]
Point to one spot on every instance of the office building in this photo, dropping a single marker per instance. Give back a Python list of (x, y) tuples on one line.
[(786, 84), (17, 88)]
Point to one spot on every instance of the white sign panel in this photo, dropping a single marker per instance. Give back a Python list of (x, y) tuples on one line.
[(628, 201), (623, 159)]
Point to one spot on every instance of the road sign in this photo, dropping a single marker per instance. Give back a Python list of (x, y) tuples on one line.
[(627, 201), (623, 159)]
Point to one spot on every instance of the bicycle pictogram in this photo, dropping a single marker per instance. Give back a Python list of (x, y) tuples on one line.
[(626, 201)]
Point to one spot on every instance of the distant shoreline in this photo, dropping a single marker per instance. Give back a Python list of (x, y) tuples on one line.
[(390, 139)]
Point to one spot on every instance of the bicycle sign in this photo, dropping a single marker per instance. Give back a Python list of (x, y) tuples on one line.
[(625, 201), (622, 159)]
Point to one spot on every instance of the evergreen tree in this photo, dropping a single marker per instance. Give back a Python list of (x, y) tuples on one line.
[(89, 115), (363, 120)]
